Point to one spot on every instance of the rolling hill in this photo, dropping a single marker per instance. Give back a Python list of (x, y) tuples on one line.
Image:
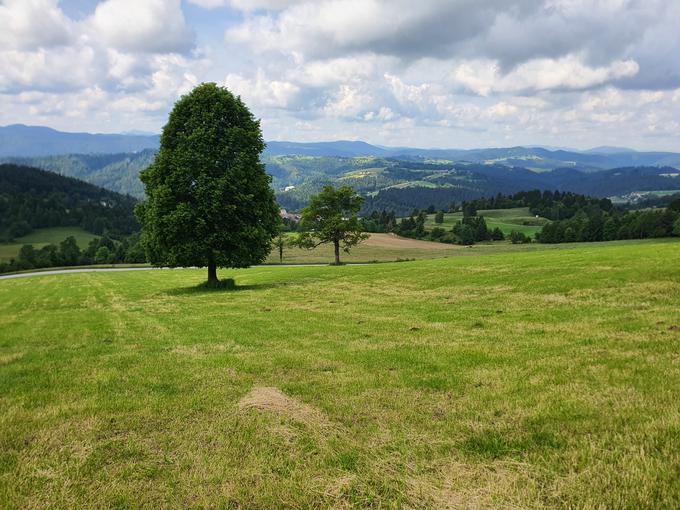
[(115, 172), (402, 186)]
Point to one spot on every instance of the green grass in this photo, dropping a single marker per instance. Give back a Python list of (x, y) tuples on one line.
[(507, 220), (540, 379), (44, 236)]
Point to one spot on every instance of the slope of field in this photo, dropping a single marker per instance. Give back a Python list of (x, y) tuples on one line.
[(519, 219), (377, 248), (44, 236), (545, 379)]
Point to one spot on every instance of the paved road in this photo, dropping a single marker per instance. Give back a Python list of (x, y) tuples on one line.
[(82, 270), (112, 269)]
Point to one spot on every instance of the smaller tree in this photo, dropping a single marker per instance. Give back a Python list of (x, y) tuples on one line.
[(103, 255), (517, 237), (439, 217), (464, 233), (676, 227), (280, 243), (69, 251), (469, 209), (27, 255), (331, 217), (497, 234)]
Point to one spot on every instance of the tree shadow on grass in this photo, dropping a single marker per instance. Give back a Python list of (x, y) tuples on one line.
[(203, 288)]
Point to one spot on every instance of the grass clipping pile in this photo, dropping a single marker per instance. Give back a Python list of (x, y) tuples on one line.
[(273, 400)]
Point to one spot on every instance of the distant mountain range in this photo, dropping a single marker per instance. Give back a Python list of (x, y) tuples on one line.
[(34, 141), (392, 178), (18, 140)]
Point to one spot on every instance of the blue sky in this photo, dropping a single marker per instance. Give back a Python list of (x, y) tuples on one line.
[(433, 73)]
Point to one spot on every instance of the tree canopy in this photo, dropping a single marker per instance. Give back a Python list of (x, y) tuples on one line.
[(209, 200), (331, 217)]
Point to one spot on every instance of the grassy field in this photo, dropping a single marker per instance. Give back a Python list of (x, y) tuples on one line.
[(44, 236), (541, 379), (507, 220), (377, 248)]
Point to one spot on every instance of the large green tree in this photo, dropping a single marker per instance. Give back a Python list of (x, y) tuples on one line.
[(331, 217), (208, 198)]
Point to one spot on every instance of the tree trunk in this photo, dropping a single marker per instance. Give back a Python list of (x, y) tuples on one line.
[(336, 244), (212, 273), (280, 254)]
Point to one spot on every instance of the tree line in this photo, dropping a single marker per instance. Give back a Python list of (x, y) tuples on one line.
[(594, 224), (553, 205), (575, 218), (100, 250)]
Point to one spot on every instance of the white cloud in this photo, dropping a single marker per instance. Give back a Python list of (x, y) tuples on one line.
[(262, 91), (150, 26), (322, 73), (245, 5), (33, 24), (348, 102), (47, 69), (502, 109), (484, 77), (209, 4)]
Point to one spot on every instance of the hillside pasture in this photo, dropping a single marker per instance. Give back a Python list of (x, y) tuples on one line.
[(44, 236), (519, 219), (543, 379)]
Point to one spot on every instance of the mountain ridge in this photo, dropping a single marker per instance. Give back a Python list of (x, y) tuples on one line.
[(19, 140)]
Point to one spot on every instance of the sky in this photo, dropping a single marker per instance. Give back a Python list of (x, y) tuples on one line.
[(426, 73)]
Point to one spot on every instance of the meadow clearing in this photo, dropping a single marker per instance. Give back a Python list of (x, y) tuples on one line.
[(518, 218), (547, 378), (42, 237)]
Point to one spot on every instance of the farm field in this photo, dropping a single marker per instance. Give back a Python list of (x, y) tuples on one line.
[(507, 220), (537, 379), (377, 248), (44, 236)]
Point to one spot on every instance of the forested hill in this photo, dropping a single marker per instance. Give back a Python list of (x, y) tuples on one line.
[(116, 172), (31, 198)]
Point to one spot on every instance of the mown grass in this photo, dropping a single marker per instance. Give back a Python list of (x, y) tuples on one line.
[(519, 219), (543, 379), (377, 248), (44, 236)]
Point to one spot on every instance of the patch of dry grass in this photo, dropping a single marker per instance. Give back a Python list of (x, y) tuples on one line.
[(274, 401)]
